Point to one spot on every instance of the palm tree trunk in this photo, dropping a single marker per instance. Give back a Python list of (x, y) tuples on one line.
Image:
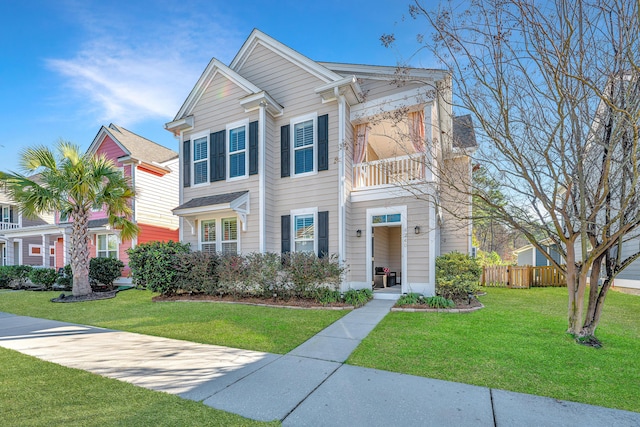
[(80, 252)]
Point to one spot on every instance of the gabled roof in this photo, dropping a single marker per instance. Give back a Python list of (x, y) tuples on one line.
[(257, 37), (214, 67), (384, 72), (464, 136), (133, 145)]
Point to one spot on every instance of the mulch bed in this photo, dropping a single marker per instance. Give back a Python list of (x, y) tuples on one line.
[(299, 303), (462, 306), (94, 296)]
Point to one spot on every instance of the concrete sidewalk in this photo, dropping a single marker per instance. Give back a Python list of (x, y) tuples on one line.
[(309, 386)]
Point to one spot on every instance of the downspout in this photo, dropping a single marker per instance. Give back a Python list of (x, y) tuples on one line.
[(261, 176), (342, 247)]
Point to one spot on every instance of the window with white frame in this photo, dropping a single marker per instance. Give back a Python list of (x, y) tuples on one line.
[(208, 236), (200, 160), (229, 236), (304, 233), (304, 146), (6, 214), (237, 153), (35, 250), (219, 235), (107, 246)]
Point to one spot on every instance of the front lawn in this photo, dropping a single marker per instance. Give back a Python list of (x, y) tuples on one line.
[(518, 343), (269, 329), (38, 393)]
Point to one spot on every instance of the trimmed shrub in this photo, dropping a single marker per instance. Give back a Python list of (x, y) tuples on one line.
[(457, 276), (264, 274), (43, 276), (195, 273), (152, 264), (233, 275), (304, 272), (14, 276), (326, 296), (103, 271)]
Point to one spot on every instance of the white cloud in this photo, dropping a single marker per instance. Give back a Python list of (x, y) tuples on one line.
[(126, 76)]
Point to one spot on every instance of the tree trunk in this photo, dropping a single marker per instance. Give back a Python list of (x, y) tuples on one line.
[(80, 253), (576, 286)]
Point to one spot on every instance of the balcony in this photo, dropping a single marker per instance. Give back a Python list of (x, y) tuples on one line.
[(397, 171), (8, 225)]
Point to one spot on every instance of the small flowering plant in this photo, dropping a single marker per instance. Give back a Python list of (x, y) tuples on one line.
[(386, 271)]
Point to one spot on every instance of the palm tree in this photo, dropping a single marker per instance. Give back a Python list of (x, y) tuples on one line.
[(72, 183)]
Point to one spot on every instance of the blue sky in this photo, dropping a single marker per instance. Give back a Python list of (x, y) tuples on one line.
[(71, 66)]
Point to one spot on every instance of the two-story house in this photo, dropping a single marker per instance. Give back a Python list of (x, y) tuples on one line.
[(281, 153), (154, 174)]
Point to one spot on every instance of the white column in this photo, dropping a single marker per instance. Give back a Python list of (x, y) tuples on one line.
[(342, 233), (45, 251), (262, 123)]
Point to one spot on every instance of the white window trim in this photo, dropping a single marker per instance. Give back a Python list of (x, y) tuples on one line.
[(203, 134), (229, 128), (292, 123), (8, 210), (107, 251), (32, 247), (300, 212), (218, 218), (52, 250), (214, 242), (237, 240)]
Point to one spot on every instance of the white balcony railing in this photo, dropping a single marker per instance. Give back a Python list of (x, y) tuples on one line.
[(8, 225), (392, 171)]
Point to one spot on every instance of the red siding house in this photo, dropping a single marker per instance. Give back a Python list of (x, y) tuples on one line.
[(153, 170)]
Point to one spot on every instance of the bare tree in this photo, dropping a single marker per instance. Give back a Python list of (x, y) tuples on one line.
[(554, 91)]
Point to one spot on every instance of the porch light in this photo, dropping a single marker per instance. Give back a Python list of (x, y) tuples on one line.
[(358, 233), (417, 229)]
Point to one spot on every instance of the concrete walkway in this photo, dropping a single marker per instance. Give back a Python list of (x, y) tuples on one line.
[(310, 386)]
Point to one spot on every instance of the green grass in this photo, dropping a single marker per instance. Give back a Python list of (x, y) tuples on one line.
[(269, 329), (518, 343), (38, 393)]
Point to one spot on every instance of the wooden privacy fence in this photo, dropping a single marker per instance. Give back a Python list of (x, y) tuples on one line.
[(512, 276)]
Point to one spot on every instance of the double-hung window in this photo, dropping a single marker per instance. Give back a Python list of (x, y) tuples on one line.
[(229, 235), (219, 235), (6, 214), (304, 145), (208, 237), (200, 160), (107, 246), (304, 233), (237, 158)]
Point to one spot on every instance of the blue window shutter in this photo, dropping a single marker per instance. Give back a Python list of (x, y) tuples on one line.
[(285, 232), (323, 142), (323, 234), (253, 148), (186, 163), (217, 158), (285, 161)]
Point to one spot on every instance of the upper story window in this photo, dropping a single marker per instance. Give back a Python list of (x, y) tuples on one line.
[(237, 150), (200, 160), (304, 145), (107, 246), (6, 214)]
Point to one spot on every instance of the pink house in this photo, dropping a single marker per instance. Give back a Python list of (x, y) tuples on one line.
[(154, 174)]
